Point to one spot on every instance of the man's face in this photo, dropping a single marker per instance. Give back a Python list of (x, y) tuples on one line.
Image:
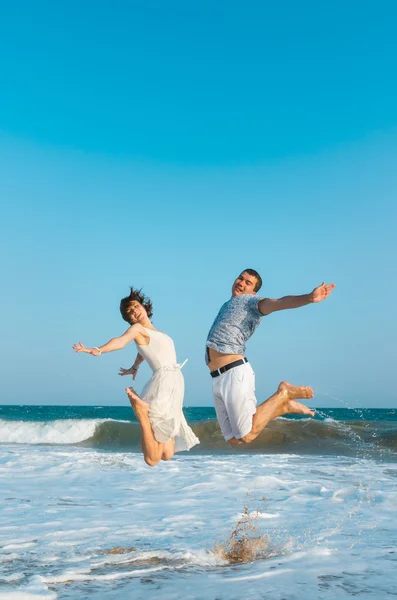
[(244, 284)]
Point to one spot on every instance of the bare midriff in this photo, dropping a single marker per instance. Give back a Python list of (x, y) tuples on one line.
[(218, 360)]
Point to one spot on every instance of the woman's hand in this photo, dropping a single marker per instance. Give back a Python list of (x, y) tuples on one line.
[(133, 371), (81, 348)]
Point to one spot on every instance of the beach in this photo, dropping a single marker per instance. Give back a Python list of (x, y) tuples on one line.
[(84, 517)]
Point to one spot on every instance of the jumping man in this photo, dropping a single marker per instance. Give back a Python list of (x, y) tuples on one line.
[(233, 380)]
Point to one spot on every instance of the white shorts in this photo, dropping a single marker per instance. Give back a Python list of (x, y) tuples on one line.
[(235, 401)]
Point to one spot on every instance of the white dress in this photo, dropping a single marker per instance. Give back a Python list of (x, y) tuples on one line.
[(164, 392)]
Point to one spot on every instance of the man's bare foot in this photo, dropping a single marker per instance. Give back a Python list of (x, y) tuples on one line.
[(296, 408), (136, 403), (291, 393), (295, 391)]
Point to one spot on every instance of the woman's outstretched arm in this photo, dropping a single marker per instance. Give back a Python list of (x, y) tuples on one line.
[(134, 369), (116, 343)]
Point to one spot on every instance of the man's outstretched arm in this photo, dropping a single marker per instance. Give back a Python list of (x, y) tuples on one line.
[(269, 305)]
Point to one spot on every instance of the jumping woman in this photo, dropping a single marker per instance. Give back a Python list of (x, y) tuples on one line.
[(159, 410)]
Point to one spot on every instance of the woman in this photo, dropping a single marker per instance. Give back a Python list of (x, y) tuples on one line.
[(159, 412)]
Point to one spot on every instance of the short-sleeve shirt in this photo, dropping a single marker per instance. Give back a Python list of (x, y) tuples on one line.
[(235, 323)]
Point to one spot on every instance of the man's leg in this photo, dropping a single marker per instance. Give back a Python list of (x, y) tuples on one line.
[(220, 409), (151, 448), (283, 402)]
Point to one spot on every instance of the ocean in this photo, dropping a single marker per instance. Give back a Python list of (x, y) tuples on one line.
[(306, 512)]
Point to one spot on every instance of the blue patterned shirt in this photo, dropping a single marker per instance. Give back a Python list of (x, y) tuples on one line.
[(235, 323)]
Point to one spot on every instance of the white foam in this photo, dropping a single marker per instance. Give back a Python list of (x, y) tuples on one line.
[(198, 558), (9, 557), (262, 575), (69, 506), (18, 546), (62, 431), (263, 515), (35, 589), (74, 576)]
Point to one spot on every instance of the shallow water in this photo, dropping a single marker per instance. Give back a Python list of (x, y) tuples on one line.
[(330, 523)]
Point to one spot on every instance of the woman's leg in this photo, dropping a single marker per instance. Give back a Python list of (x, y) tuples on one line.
[(151, 448), (168, 450)]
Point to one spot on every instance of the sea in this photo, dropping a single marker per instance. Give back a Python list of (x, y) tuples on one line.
[(307, 512)]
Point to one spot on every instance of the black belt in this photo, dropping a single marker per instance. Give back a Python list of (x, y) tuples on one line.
[(231, 365)]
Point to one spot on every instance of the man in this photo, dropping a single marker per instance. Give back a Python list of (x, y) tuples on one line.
[(233, 380)]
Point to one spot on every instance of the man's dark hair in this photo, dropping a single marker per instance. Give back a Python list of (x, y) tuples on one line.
[(135, 296), (258, 278)]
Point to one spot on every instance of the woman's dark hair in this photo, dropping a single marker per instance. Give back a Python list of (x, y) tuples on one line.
[(258, 278), (135, 296)]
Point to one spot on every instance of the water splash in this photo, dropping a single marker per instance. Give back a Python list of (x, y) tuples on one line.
[(246, 543)]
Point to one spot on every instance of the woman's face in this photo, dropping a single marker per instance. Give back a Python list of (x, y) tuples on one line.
[(137, 312)]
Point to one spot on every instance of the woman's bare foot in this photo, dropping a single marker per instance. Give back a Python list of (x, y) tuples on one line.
[(137, 404), (290, 394)]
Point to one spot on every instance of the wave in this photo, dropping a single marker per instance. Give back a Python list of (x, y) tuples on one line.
[(282, 435), (61, 431)]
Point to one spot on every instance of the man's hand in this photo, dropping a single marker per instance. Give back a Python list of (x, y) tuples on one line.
[(81, 348), (133, 371), (322, 292)]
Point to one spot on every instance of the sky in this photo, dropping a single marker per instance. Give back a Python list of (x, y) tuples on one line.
[(171, 145)]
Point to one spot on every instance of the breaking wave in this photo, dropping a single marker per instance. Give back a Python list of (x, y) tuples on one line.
[(62, 431), (283, 435)]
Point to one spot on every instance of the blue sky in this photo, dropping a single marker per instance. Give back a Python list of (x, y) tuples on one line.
[(173, 145)]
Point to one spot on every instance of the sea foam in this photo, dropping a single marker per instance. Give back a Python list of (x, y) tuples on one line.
[(65, 431)]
